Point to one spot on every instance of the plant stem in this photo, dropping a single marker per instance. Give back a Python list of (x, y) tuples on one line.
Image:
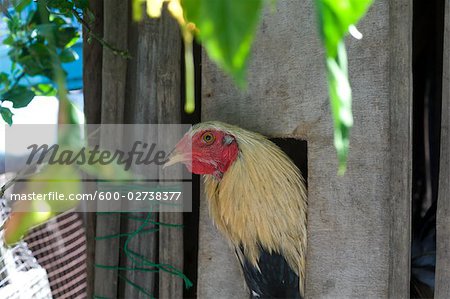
[(122, 53), (3, 8)]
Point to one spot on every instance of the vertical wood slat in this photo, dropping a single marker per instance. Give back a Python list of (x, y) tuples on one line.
[(92, 93), (168, 88), (400, 96), (140, 108), (442, 287), (153, 96), (113, 97), (92, 66)]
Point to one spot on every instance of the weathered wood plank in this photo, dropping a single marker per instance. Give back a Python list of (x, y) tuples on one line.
[(92, 67), (349, 246), (92, 92), (112, 111), (114, 66), (219, 275), (442, 289), (140, 108), (400, 95), (168, 97), (153, 96)]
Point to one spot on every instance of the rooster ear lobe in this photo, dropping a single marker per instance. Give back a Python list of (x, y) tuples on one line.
[(227, 139)]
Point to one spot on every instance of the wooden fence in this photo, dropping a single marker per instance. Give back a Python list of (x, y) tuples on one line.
[(358, 224)]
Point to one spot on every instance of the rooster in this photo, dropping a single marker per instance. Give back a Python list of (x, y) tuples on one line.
[(257, 200)]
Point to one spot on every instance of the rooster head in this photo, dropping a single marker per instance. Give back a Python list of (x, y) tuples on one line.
[(205, 149)]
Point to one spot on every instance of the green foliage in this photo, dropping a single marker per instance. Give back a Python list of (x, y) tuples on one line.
[(6, 115), (68, 55), (38, 44), (44, 90), (21, 4), (20, 96), (35, 212), (226, 29), (341, 103), (335, 18)]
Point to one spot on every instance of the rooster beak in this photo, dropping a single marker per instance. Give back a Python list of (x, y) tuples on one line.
[(176, 157), (182, 153)]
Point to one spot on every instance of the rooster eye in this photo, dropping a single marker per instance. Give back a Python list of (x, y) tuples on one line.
[(208, 138)]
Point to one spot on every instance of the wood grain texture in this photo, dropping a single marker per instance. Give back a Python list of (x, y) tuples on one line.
[(443, 209), (92, 66), (168, 97), (400, 95), (142, 90), (114, 70), (114, 66), (219, 275), (349, 222), (92, 93), (140, 105), (153, 96), (141, 108)]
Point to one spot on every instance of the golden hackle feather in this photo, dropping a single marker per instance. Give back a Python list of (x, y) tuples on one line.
[(260, 200)]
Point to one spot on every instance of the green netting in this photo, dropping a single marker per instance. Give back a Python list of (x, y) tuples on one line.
[(140, 262)]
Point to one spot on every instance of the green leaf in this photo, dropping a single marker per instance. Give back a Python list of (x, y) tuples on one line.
[(61, 5), (73, 113), (226, 28), (66, 37), (13, 23), (81, 4), (4, 78), (20, 5), (341, 104), (57, 20), (136, 6), (56, 179), (6, 115), (40, 50), (20, 96), (72, 41), (335, 18), (19, 223), (44, 90), (63, 179), (68, 55), (9, 40), (63, 37), (32, 66)]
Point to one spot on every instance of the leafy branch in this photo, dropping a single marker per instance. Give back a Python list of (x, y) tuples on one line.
[(39, 44), (92, 34)]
